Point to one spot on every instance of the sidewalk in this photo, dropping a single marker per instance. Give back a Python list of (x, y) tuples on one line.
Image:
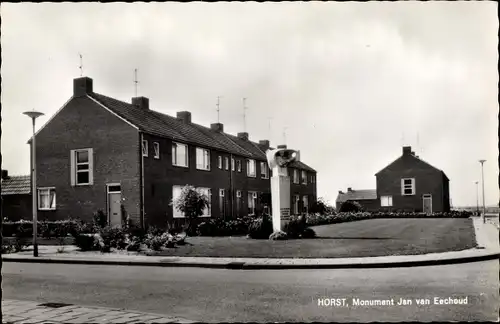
[(16, 311), (486, 236)]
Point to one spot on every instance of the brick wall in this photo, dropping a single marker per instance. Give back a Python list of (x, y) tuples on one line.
[(17, 207)]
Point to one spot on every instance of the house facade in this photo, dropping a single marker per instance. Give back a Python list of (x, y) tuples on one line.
[(367, 198), (413, 185), (16, 197), (100, 153)]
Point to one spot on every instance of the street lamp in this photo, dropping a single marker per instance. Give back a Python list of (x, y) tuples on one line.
[(34, 115), (482, 177), (477, 196)]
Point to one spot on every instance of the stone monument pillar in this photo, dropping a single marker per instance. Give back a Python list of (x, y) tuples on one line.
[(278, 161)]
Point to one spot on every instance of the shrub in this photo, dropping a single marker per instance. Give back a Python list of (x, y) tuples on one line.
[(100, 219), (191, 203), (86, 242), (115, 238), (156, 242), (278, 236), (261, 228), (308, 233), (350, 206), (295, 227), (7, 248)]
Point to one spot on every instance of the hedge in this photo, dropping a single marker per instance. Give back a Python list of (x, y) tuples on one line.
[(45, 229)]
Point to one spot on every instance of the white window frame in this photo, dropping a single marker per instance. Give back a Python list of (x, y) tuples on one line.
[(296, 176), (304, 177), (74, 167), (52, 204), (264, 170), (178, 214), (233, 164), (203, 161), (156, 149), (226, 163), (238, 193), (305, 201), (238, 165), (249, 174), (209, 195), (145, 150), (386, 201), (221, 192), (408, 186), (175, 161), (253, 196), (219, 162), (296, 205)]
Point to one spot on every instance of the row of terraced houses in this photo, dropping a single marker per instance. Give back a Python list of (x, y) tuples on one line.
[(100, 153)]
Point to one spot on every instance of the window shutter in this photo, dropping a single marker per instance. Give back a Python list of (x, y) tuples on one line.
[(72, 167), (91, 166)]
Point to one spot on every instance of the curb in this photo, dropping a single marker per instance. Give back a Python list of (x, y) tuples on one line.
[(252, 266)]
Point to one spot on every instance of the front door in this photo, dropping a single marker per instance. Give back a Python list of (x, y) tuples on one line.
[(427, 200), (114, 203)]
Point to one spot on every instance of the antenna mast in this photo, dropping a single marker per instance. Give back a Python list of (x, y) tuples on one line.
[(81, 64), (284, 135), (135, 82), (218, 109), (244, 114)]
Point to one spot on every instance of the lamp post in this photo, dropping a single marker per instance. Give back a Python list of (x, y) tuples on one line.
[(34, 115), (482, 179), (477, 197)]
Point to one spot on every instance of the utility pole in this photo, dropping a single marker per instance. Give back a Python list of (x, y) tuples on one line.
[(482, 177), (477, 197), (135, 82)]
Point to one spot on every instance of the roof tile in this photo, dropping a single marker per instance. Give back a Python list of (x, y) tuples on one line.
[(16, 185)]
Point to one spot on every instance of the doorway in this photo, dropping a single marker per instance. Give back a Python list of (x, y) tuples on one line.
[(114, 203), (427, 201)]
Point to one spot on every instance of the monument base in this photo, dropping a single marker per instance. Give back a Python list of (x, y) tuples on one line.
[(280, 193)]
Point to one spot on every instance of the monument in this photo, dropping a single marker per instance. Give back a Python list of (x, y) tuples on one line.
[(278, 160)]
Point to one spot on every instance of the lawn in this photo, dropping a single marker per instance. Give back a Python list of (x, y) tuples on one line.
[(367, 238)]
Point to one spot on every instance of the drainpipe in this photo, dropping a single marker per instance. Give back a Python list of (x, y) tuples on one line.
[(231, 193), (141, 182)]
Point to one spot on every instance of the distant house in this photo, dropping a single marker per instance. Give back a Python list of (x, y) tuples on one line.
[(366, 198), (16, 197), (411, 184)]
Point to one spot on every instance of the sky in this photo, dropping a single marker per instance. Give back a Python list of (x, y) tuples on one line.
[(347, 84)]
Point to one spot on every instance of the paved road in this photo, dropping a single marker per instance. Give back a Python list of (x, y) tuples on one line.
[(213, 295)]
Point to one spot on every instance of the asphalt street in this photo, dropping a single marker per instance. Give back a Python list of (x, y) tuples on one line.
[(213, 295)]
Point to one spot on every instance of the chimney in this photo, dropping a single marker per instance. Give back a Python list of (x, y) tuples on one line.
[(243, 136), (5, 174), (264, 144), (297, 156), (185, 116), (282, 146), (341, 192), (82, 86), (349, 189), (141, 102), (218, 127), (406, 150)]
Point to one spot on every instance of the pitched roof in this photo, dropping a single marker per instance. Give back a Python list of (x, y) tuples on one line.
[(365, 194), (163, 125), (418, 159), (16, 185)]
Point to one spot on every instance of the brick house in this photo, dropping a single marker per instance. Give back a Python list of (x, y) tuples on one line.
[(100, 153), (411, 184), (16, 197), (367, 198)]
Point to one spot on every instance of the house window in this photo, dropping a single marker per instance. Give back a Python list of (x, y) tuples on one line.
[(252, 197), (222, 203), (296, 204), (226, 163), (82, 170), (264, 171), (239, 202), (238, 165), (219, 162), (305, 201), (156, 147), (238, 193), (304, 177), (386, 201), (408, 186), (176, 192), (144, 148), (295, 176), (251, 168), (202, 159), (233, 164), (46, 198), (179, 154)]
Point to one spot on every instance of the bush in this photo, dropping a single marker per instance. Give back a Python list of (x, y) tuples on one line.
[(156, 242), (221, 227), (114, 238), (295, 227), (308, 233), (100, 219), (350, 207), (261, 228), (86, 242), (278, 236)]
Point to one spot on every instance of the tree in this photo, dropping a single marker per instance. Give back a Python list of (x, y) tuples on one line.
[(350, 206), (321, 207), (191, 203)]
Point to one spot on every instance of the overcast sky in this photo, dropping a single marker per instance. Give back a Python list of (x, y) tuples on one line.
[(352, 82)]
